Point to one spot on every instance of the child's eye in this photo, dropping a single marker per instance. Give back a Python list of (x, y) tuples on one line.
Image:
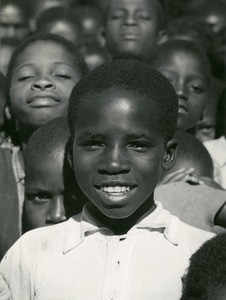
[(63, 76), (93, 145), (117, 15), (24, 78), (144, 16), (38, 198), (197, 89), (138, 146)]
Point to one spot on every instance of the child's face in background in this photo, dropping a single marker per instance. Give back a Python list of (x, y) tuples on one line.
[(188, 76), (118, 152), (6, 53), (13, 22), (43, 78), (132, 27), (44, 191)]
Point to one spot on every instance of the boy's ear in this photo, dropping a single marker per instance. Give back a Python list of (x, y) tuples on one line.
[(8, 113), (70, 156), (170, 154)]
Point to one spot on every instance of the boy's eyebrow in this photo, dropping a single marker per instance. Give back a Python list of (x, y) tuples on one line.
[(90, 135), (55, 63), (35, 190)]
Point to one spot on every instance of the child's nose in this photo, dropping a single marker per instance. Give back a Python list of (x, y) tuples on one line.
[(181, 90), (114, 161), (130, 19), (56, 211), (43, 83)]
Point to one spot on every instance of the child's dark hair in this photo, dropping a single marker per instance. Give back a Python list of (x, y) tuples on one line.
[(207, 270), (69, 46), (135, 77), (187, 46), (191, 149), (54, 14)]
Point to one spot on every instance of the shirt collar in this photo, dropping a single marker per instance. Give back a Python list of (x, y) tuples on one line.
[(86, 224), (217, 150)]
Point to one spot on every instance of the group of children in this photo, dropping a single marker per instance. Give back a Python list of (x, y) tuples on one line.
[(104, 109)]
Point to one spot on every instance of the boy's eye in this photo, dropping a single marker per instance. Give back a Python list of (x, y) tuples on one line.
[(93, 145), (139, 146), (197, 89), (144, 16), (38, 198), (117, 15), (24, 78), (63, 76)]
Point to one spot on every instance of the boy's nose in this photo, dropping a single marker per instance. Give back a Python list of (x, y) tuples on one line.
[(130, 19), (181, 90), (43, 84), (56, 211), (114, 162)]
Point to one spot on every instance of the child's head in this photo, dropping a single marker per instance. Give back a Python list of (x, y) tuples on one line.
[(13, 20), (42, 72), (8, 45), (206, 276), (61, 21), (91, 23), (188, 69), (94, 55), (46, 188), (122, 118), (132, 27), (191, 153)]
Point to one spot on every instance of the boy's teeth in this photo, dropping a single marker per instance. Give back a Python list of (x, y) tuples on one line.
[(115, 189)]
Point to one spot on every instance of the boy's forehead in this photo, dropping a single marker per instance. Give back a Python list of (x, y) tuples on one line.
[(134, 4)]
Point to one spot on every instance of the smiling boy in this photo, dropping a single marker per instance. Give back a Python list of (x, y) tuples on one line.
[(123, 245)]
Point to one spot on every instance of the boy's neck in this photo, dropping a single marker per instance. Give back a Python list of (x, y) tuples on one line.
[(122, 226), (25, 132)]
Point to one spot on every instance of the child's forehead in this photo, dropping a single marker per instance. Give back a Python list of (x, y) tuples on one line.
[(148, 4)]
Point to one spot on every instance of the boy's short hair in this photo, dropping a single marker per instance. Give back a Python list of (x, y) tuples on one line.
[(47, 141), (69, 46), (132, 76), (207, 270)]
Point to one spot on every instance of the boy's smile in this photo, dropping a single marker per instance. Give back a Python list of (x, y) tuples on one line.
[(118, 152)]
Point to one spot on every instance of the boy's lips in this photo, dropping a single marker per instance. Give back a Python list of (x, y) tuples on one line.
[(116, 192), (44, 100), (182, 109)]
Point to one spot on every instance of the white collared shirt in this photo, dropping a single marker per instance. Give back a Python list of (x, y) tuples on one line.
[(217, 151), (80, 259)]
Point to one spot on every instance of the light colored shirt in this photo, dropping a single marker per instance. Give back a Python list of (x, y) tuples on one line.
[(81, 259), (217, 151)]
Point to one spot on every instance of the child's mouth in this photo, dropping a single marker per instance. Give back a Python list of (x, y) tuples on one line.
[(116, 193)]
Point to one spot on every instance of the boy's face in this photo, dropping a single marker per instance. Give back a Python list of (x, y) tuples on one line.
[(118, 152), (12, 22), (43, 78), (44, 192), (132, 27), (188, 76)]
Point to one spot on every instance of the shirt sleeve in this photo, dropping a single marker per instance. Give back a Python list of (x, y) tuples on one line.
[(14, 274)]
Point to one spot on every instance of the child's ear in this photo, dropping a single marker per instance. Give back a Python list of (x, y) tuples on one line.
[(70, 155), (170, 154), (8, 113)]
